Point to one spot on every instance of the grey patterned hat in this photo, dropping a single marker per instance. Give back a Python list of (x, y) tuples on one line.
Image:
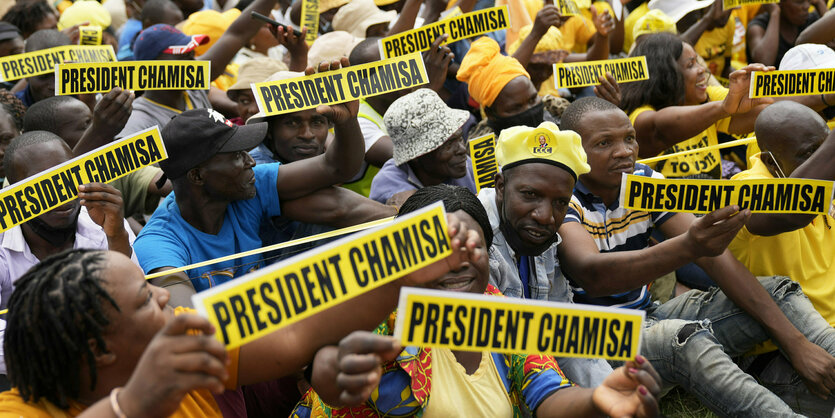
[(419, 123)]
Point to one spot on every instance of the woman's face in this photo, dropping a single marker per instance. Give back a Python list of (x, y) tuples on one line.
[(472, 277), (695, 77), (795, 11)]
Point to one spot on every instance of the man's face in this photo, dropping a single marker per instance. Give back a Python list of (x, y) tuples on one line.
[(299, 135), (516, 97), (12, 46), (796, 148), (610, 145), (42, 86), (245, 103), (71, 120), (35, 158), (449, 161), (8, 132), (534, 198), (228, 176)]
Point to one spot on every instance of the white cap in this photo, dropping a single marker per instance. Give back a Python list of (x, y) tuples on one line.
[(676, 9), (808, 57)]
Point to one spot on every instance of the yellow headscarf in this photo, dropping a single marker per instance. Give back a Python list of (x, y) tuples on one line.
[(487, 71)]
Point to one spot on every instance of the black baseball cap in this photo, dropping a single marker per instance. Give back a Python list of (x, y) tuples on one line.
[(195, 136)]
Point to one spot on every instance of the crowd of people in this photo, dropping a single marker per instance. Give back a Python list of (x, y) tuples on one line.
[(739, 306)]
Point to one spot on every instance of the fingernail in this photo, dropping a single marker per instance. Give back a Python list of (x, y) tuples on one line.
[(633, 370), (640, 359), (643, 390)]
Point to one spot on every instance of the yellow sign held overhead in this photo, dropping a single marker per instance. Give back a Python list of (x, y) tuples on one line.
[(263, 301), (89, 35), (132, 75), (339, 86), (582, 74), (465, 321), (792, 83), (458, 28), (310, 19), (15, 67), (730, 4), (567, 7), (483, 156), (785, 195), (51, 188)]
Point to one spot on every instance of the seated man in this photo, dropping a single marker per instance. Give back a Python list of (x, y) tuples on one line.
[(220, 196), (430, 147), (95, 220), (606, 255), (795, 142)]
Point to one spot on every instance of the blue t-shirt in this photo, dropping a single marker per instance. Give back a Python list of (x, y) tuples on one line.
[(168, 240), (130, 29)]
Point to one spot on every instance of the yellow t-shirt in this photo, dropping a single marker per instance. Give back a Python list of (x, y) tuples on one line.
[(806, 255), (601, 7), (481, 394), (715, 46), (698, 164), (629, 25), (197, 403)]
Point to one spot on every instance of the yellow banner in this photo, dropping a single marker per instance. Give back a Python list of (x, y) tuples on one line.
[(582, 74), (729, 4), (254, 305), (567, 7), (729, 144), (310, 19), (132, 75), (458, 28), (89, 35), (792, 83), (48, 189), (786, 195), (14, 67), (464, 321), (343, 85), (483, 156)]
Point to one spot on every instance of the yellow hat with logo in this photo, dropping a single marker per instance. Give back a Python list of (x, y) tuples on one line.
[(544, 144), (654, 21)]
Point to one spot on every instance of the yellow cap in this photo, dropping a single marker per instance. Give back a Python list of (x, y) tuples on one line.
[(85, 11), (384, 2), (544, 144), (654, 21), (210, 23)]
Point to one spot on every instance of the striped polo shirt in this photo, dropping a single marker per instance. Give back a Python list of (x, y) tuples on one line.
[(614, 228)]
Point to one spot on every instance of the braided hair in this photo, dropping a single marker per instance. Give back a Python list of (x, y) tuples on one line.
[(13, 106), (455, 198), (56, 307)]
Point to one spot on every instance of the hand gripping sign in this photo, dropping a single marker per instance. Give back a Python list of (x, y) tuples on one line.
[(464, 321), (339, 86), (51, 188), (263, 301), (785, 195)]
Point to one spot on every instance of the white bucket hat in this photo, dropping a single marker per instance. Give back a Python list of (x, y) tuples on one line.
[(676, 9), (419, 123), (358, 15)]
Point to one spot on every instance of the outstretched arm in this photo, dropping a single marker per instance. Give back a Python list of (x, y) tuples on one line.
[(236, 36)]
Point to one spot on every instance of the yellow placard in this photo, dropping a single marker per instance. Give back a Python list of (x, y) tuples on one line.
[(346, 84), (450, 13), (464, 321), (785, 195), (258, 303), (15, 67), (310, 19), (567, 7), (729, 4), (51, 188), (582, 74), (483, 156), (132, 75), (792, 83), (458, 28), (89, 35)]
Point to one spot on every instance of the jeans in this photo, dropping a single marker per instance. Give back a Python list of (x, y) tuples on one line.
[(690, 341)]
